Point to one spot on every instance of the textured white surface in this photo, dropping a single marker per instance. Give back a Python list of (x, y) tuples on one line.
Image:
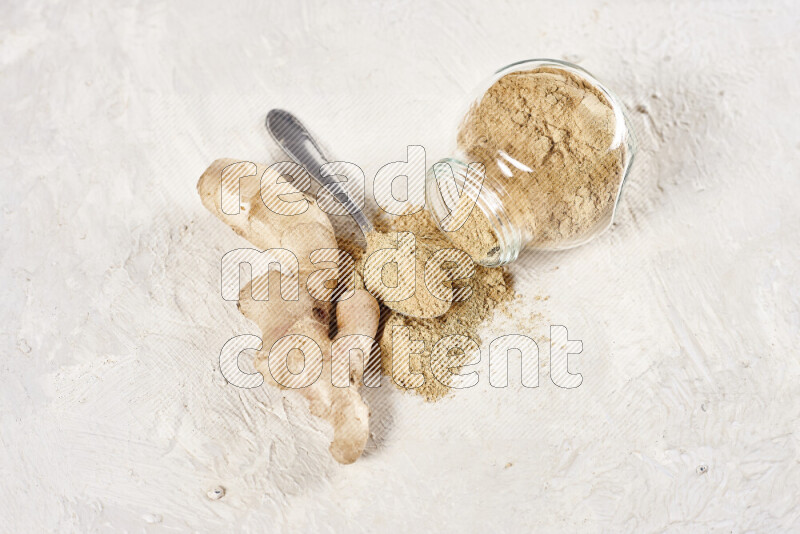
[(113, 413)]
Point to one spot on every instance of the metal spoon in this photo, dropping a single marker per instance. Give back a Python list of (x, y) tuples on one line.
[(296, 141)]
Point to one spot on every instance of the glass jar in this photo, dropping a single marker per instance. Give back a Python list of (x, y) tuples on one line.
[(539, 161)]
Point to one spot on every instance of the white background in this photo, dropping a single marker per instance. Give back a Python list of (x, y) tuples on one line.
[(113, 412)]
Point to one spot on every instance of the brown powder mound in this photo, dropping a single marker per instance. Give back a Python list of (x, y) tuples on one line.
[(422, 303), (420, 224), (490, 289)]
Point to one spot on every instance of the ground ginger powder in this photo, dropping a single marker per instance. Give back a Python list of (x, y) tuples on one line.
[(548, 141), (490, 289), (422, 303)]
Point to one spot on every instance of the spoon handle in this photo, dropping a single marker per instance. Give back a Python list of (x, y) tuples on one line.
[(297, 142)]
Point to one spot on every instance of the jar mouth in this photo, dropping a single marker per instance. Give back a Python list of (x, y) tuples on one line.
[(509, 238), (491, 208)]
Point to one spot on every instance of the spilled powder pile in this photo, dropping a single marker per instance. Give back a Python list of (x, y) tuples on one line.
[(422, 303), (490, 289), (547, 137)]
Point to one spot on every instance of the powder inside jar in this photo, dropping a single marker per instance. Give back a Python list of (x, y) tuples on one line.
[(549, 141)]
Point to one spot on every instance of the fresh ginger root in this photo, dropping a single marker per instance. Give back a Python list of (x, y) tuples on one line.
[(303, 233), (342, 407)]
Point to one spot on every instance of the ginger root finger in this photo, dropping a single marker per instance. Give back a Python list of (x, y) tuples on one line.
[(342, 408), (275, 317), (300, 233), (357, 318), (358, 315)]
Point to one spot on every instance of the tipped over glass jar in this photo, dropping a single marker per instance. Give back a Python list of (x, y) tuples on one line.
[(539, 161)]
